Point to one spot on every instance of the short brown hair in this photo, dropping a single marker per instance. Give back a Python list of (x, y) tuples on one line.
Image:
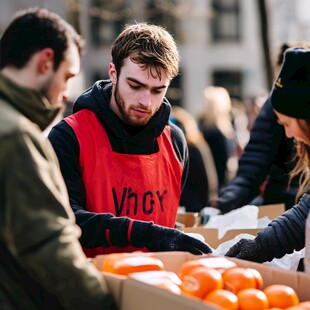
[(148, 45), (32, 30)]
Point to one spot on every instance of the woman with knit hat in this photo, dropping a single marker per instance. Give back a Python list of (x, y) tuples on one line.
[(290, 99)]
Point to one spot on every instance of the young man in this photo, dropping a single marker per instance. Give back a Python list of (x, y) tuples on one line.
[(42, 264), (124, 164)]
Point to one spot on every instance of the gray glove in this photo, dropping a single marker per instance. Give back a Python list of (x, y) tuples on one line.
[(248, 250), (159, 238)]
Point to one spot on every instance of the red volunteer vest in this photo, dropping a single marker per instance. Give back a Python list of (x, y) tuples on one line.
[(142, 187)]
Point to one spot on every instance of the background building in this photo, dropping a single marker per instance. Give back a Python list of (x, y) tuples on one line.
[(220, 41)]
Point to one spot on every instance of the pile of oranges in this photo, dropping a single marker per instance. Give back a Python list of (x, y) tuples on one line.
[(212, 280), (234, 288)]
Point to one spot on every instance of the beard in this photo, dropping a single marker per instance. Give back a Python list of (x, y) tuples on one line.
[(125, 114), (45, 90)]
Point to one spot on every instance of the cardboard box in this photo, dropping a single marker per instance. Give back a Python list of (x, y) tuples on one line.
[(131, 294), (271, 211), (211, 234), (188, 219), (193, 219)]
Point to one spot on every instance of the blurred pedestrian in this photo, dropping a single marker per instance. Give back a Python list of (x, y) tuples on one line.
[(123, 162), (201, 181), (215, 122), (42, 265)]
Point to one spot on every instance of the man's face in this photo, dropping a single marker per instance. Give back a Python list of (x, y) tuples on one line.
[(56, 85), (136, 94)]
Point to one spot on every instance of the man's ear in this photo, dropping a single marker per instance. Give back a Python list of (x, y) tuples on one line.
[(46, 60), (112, 73)]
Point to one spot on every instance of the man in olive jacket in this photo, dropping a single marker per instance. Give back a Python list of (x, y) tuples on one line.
[(42, 265)]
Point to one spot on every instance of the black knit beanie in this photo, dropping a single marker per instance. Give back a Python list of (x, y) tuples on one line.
[(291, 92)]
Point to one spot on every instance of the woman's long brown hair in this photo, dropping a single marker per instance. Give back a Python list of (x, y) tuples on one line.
[(302, 168)]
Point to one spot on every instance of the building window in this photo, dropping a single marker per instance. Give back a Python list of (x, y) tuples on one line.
[(107, 20), (162, 12), (225, 20), (231, 80), (73, 14)]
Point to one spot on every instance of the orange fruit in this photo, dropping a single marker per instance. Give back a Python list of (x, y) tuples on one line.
[(188, 267), (281, 296), (156, 276), (200, 281), (223, 298), (169, 285), (258, 278), (110, 260), (238, 278), (305, 305), (218, 263), (253, 299), (125, 264), (295, 308)]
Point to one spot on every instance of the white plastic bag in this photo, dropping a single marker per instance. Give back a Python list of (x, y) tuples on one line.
[(245, 217)]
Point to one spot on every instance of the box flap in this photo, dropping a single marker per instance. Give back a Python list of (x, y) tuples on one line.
[(211, 234), (139, 295), (115, 284), (114, 281), (271, 211), (189, 219)]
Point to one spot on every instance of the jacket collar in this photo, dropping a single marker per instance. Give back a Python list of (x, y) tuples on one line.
[(32, 104)]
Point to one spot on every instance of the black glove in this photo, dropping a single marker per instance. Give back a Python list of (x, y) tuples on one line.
[(159, 238), (248, 250), (146, 234)]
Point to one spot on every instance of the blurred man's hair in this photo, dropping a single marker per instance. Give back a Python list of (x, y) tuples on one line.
[(32, 30)]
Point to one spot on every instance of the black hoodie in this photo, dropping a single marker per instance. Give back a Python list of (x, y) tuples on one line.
[(123, 138)]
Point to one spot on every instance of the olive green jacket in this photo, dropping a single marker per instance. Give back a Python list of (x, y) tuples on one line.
[(42, 265)]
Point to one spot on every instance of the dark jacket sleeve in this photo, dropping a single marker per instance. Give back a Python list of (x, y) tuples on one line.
[(255, 162), (67, 150), (287, 232), (195, 194)]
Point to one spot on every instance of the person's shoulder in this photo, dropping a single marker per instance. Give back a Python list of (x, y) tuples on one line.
[(176, 132), (22, 139), (175, 129), (61, 131), (267, 110), (15, 126), (10, 118)]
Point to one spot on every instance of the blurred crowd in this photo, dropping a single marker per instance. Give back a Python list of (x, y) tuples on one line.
[(216, 138)]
